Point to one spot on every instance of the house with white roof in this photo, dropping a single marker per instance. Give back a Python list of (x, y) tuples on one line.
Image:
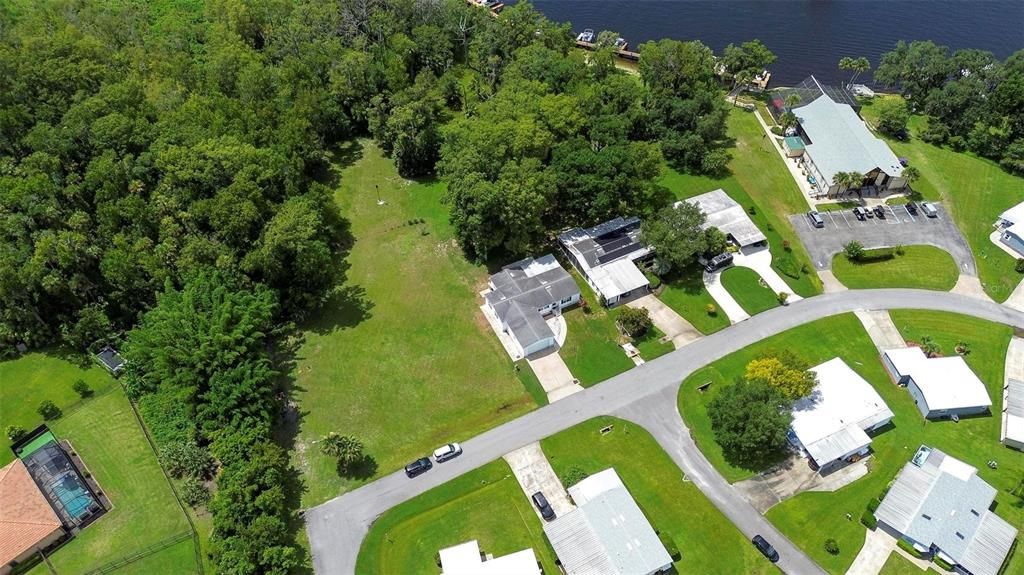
[(522, 293), (940, 386), (729, 217), (466, 559), (939, 505), (837, 140), (1012, 430), (606, 256), (607, 533), (832, 423), (1011, 227)]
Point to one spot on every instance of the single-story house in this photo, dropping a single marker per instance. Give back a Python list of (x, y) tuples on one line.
[(607, 533), (606, 256), (27, 521), (466, 559), (940, 386), (939, 505), (1011, 227), (837, 140), (724, 213), (522, 293), (833, 422), (111, 360), (1012, 431)]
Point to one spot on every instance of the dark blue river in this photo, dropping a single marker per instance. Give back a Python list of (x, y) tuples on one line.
[(808, 36)]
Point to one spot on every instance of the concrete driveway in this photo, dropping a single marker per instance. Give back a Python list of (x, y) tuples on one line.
[(898, 228), (881, 329), (872, 557), (759, 259), (553, 374), (534, 473), (680, 331), (726, 303)]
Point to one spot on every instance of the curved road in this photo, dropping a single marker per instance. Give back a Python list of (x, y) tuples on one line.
[(645, 395)]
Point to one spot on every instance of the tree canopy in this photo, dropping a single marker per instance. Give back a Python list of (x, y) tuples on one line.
[(750, 420), (678, 237)]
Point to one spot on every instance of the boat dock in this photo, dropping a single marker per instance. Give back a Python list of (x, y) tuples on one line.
[(492, 6), (624, 54)]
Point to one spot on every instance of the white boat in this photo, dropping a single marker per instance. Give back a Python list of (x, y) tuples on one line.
[(862, 90), (587, 35)]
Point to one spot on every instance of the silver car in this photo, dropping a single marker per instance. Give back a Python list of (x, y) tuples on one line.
[(447, 451)]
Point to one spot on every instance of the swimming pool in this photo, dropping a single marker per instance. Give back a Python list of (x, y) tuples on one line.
[(74, 497)]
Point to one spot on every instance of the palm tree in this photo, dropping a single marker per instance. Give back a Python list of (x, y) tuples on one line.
[(857, 65), (843, 180), (929, 347), (788, 119), (792, 100), (856, 179), (911, 174)]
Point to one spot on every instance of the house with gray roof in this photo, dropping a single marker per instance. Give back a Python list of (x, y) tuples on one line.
[(522, 293), (729, 217), (941, 506), (607, 533), (836, 140), (606, 256)]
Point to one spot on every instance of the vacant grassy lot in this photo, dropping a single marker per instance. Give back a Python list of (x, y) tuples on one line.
[(810, 518), (35, 377), (924, 267), (401, 357), (976, 190), (108, 438), (759, 179), (689, 298), (745, 285), (486, 504), (591, 349), (709, 543)]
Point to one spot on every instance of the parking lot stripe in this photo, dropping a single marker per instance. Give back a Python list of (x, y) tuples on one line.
[(833, 218), (893, 212), (845, 219), (909, 215)]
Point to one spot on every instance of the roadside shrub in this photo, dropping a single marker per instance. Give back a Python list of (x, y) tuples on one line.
[(777, 130), (194, 492), (711, 309), (186, 459), (1019, 266), (853, 250), (832, 546), (653, 280), (573, 475), (868, 520), (670, 546), (48, 410), (635, 321), (81, 388), (15, 432), (782, 297), (804, 269)]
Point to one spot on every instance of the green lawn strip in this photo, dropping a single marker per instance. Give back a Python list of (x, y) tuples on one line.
[(811, 518), (924, 267), (486, 504), (650, 345), (689, 298), (403, 340), (759, 178), (836, 207), (27, 381), (107, 436), (175, 560), (899, 565), (591, 349), (529, 380), (976, 190), (708, 542), (745, 286)]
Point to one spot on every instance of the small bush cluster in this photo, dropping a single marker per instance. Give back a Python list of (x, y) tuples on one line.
[(1019, 266), (81, 388), (787, 265), (186, 459), (194, 492), (48, 410), (635, 321), (910, 549), (868, 520), (832, 546), (15, 432), (574, 475)]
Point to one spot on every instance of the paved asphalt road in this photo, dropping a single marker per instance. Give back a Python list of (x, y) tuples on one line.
[(898, 228), (645, 395)]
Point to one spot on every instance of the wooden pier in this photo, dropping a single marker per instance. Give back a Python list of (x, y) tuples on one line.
[(624, 54)]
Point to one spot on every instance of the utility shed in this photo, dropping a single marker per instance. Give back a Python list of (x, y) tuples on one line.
[(794, 146), (939, 504), (607, 533), (729, 217), (833, 422), (1013, 414), (940, 386)]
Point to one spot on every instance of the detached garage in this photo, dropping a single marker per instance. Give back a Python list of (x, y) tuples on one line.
[(941, 386)]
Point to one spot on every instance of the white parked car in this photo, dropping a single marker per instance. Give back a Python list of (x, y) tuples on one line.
[(446, 452)]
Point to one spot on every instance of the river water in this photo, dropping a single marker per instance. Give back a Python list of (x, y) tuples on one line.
[(808, 36)]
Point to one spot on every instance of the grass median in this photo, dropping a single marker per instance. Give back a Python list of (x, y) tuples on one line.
[(922, 267), (744, 284)]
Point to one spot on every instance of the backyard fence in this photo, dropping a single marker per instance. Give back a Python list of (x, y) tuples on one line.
[(141, 553)]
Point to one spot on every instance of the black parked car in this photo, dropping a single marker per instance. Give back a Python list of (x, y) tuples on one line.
[(880, 212), (765, 548), (912, 208), (543, 506), (720, 261), (421, 465)]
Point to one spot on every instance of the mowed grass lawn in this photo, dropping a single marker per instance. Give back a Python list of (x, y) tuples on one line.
[(591, 350), (924, 267), (402, 357), (745, 286), (898, 565), (810, 518), (976, 190), (27, 381), (758, 178), (708, 542), (686, 294), (486, 504), (107, 436)]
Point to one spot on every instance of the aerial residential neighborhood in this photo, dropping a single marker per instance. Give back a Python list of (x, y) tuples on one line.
[(472, 287)]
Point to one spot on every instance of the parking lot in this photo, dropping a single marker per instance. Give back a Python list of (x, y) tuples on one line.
[(899, 227)]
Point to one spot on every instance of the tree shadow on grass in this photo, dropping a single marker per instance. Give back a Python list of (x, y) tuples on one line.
[(365, 468), (690, 280), (758, 462), (328, 170)]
